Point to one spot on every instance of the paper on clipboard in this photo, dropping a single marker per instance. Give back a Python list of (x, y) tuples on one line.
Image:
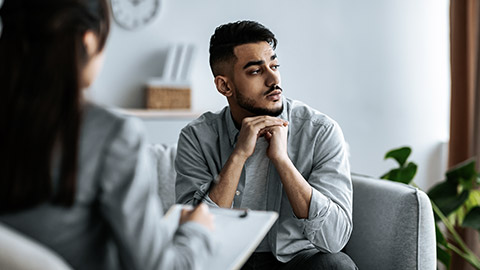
[(236, 237)]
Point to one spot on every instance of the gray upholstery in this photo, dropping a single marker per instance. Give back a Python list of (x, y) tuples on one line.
[(18, 252), (164, 156), (393, 226), (393, 223)]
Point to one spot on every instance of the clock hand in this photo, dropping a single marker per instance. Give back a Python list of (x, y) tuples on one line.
[(135, 2)]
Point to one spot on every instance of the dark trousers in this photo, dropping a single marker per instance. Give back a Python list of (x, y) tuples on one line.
[(305, 260)]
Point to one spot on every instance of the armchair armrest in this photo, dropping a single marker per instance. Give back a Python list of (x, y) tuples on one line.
[(18, 252), (393, 226)]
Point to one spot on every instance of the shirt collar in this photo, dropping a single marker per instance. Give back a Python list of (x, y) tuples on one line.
[(232, 129)]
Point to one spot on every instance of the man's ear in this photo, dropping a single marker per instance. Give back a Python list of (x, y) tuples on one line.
[(223, 85)]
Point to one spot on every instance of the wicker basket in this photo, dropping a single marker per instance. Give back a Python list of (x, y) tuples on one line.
[(161, 97)]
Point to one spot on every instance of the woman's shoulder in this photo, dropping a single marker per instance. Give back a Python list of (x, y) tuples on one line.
[(102, 125), (98, 115)]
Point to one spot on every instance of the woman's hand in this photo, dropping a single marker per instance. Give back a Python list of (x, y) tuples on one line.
[(199, 214)]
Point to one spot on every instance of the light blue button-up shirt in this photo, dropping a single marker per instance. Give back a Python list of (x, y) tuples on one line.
[(317, 149)]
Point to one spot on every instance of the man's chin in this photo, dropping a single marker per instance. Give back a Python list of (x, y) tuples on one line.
[(276, 112), (264, 111)]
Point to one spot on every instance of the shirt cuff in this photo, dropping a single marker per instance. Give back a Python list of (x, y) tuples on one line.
[(199, 194), (209, 202), (319, 207)]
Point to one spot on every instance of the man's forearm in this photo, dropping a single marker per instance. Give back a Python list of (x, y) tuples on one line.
[(299, 192), (224, 190)]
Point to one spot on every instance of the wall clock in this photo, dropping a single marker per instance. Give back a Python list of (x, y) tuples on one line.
[(133, 14)]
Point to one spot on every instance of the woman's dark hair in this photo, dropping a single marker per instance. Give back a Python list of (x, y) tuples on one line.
[(42, 55), (230, 35)]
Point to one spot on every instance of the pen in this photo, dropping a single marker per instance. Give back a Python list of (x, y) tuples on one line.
[(244, 214)]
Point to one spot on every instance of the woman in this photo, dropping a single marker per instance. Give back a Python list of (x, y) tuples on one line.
[(75, 176)]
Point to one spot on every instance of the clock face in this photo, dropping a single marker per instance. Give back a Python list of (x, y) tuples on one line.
[(132, 14)]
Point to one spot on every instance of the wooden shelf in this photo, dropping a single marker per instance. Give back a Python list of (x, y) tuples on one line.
[(150, 114)]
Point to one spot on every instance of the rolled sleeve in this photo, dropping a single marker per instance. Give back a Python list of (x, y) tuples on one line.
[(329, 224), (206, 199), (193, 175)]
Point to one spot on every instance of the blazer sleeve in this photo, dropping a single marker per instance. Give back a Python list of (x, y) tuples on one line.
[(132, 208)]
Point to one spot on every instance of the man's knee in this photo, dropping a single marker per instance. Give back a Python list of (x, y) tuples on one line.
[(340, 261), (314, 260)]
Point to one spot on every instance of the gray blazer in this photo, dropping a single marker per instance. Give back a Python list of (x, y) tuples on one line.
[(115, 221)]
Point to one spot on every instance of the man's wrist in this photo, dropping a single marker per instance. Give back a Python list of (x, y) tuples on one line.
[(238, 157), (281, 161)]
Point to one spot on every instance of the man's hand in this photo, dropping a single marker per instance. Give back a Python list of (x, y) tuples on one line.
[(299, 192), (252, 128), (277, 140)]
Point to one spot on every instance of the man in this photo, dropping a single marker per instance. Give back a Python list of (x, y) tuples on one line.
[(267, 152)]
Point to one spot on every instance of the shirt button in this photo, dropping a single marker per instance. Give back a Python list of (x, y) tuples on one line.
[(237, 192)]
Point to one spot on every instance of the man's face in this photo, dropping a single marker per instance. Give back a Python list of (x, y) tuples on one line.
[(256, 80)]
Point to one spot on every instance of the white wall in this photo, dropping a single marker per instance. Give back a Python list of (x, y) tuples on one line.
[(379, 67)]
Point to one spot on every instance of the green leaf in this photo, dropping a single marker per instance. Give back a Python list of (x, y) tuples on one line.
[(457, 216), (444, 257), (445, 196), (472, 202), (402, 175), (439, 236), (474, 198), (392, 175), (399, 154), (472, 219), (442, 250), (410, 171), (465, 170), (466, 183)]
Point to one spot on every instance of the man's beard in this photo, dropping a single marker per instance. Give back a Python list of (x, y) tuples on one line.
[(249, 104)]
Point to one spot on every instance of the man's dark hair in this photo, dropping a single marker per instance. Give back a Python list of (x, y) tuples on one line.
[(230, 35)]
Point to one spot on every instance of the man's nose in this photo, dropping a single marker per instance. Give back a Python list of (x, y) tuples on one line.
[(273, 78)]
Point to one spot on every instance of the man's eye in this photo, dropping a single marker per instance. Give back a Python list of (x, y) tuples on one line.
[(256, 71), (275, 66)]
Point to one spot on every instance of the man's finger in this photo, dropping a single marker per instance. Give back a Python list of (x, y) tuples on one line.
[(269, 122)]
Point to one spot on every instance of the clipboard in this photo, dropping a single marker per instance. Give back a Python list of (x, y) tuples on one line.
[(237, 233)]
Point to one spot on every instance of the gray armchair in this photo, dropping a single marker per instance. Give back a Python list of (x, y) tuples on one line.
[(393, 225)]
